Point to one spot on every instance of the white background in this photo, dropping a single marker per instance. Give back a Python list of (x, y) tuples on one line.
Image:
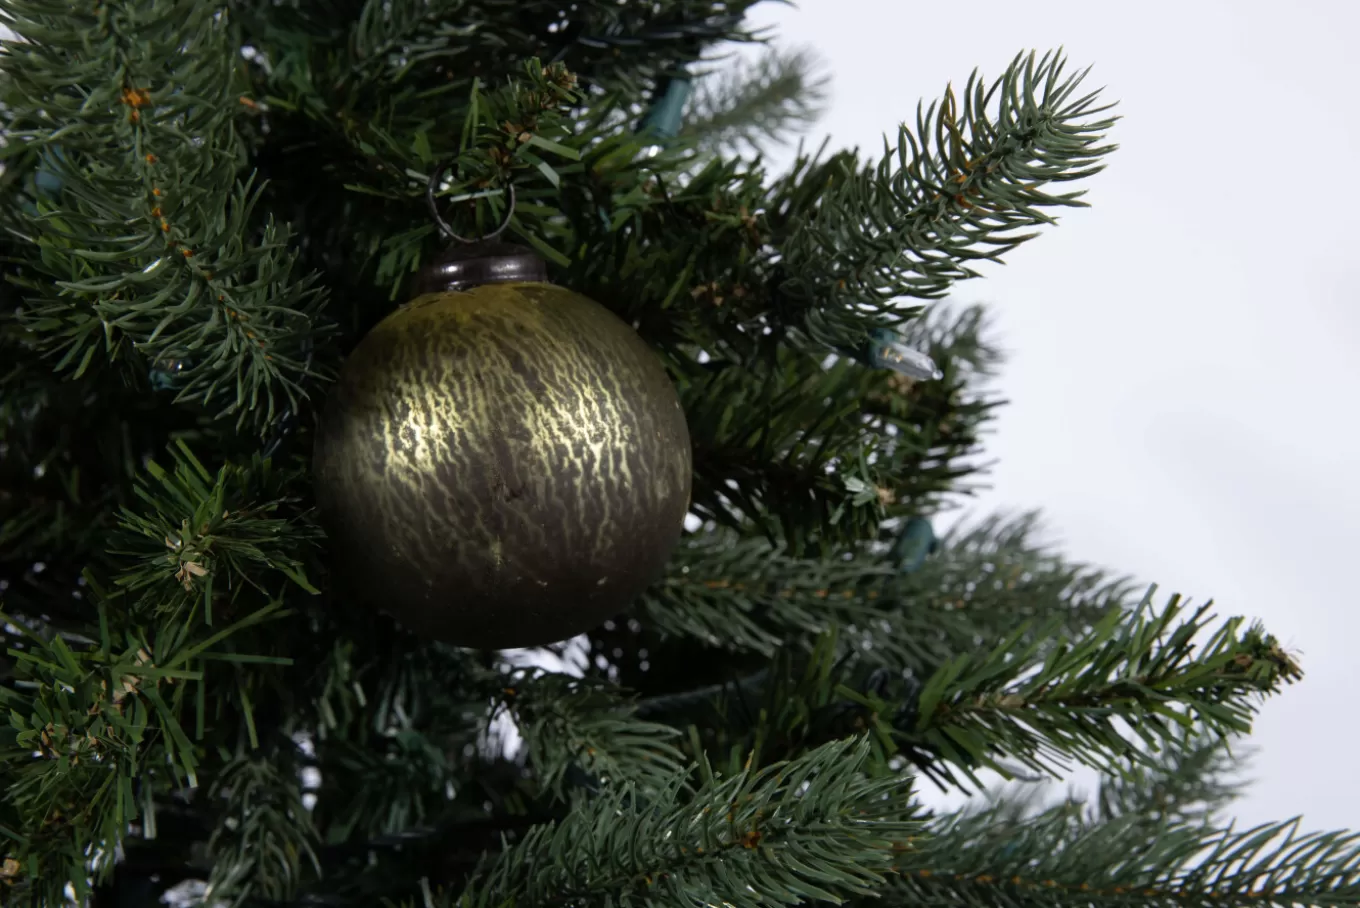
[(1182, 362)]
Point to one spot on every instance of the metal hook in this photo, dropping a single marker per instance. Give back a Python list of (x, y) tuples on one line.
[(444, 228)]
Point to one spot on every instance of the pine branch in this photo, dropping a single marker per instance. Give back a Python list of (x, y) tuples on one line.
[(1185, 783), (744, 594), (389, 39), (998, 574), (813, 828), (1139, 668), (100, 720), (624, 49), (382, 154), (819, 454), (262, 831), (390, 99), (853, 239), (749, 106), (1189, 782), (152, 251), (392, 726), (1034, 705), (198, 531), (611, 44), (96, 733), (680, 251), (573, 725), (1062, 859), (573, 729)]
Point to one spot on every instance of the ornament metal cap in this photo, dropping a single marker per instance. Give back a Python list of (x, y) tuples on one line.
[(468, 262), (462, 267)]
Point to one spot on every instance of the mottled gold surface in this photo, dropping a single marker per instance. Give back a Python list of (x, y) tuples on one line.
[(502, 467)]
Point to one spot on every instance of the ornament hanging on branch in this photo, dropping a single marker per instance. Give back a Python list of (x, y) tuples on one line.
[(503, 462)]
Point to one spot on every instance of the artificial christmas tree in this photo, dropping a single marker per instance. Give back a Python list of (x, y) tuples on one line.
[(208, 206)]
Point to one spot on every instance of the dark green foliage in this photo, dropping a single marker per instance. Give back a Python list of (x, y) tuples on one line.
[(198, 530), (153, 248), (744, 595), (749, 838), (262, 835), (581, 726), (179, 657), (820, 455)]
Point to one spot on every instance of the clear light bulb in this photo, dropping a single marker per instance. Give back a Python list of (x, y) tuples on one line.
[(889, 352)]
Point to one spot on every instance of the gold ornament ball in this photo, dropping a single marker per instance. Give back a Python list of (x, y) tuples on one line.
[(503, 466)]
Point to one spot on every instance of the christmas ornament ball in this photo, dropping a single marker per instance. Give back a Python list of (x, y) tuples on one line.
[(502, 466)]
